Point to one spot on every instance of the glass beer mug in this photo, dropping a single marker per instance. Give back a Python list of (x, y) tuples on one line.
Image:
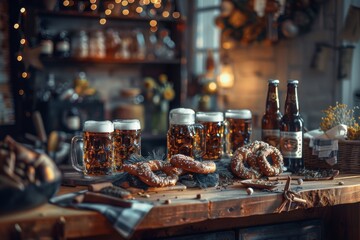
[(238, 127), (97, 151), (127, 140), (184, 136), (213, 123)]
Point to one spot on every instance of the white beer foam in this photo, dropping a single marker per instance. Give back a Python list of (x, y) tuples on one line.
[(238, 114), (210, 116), (127, 124), (98, 126), (182, 116)]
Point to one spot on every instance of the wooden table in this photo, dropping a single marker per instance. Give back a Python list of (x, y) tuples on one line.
[(334, 202)]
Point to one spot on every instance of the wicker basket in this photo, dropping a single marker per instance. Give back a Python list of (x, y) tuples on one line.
[(348, 159)]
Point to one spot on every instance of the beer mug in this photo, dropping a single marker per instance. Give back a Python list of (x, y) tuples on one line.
[(127, 140), (238, 126), (97, 151), (184, 136), (213, 123)]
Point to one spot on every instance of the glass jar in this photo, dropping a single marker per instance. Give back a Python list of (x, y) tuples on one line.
[(80, 45), (97, 48)]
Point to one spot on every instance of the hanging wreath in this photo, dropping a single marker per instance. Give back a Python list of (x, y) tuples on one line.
[(248, 21)]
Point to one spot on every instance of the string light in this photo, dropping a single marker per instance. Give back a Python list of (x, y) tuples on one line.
[(19, 58), (102, 21), (24, 74), (22, 41), (22, 10), (21, 92), (16, 26), (153, 23)]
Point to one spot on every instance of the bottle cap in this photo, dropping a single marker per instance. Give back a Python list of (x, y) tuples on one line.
[(293, 81), (98, 126), (210, 116), (127, 124), (238, 114), (274, 81), (182, 116)]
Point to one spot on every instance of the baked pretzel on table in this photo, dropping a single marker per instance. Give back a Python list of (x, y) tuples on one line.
[(179, 164), (251, 161)]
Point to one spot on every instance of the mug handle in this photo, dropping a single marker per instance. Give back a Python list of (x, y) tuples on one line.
[(74, 154), (200, 145)]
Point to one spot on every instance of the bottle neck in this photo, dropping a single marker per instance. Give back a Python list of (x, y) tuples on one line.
[(292, 102), (272, 100)]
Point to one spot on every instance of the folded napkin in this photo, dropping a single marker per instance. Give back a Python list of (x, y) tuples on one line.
[(124, 220), (325, 144)]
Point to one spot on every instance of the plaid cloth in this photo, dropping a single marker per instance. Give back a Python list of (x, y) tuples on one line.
[(124, 220), (325, 149)]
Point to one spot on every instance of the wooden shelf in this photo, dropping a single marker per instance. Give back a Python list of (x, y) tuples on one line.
[(76, 14), (107, 60)]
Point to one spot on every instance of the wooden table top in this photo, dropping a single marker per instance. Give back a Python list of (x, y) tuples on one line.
[(177, 207)]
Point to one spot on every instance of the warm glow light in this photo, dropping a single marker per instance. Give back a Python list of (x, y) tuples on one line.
[(124, 3), (92, 1), (22, 41), (21, 92), (22, 10), (93, 7), (165, 14), (212, 87), (125, 12), (16, 25), (153, 29), (226, 78), (66, 3), (139, 9), (102, 21), (131, 1), (157, 5), (153, 23), (111, 6), (19, 58), (176, 14), (117, 1), (24, 75), (107, 12)]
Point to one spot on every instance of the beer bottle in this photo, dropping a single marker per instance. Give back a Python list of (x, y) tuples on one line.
[(270, 123), (291, 130)]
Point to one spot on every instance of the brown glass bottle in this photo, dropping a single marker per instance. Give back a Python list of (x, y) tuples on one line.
[(291, 130), (270, 124)]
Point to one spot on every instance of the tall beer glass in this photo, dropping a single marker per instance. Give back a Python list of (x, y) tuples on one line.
[(238, 127), (97, 152)]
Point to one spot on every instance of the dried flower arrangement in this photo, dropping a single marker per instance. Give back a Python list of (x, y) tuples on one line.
[(341, 114)]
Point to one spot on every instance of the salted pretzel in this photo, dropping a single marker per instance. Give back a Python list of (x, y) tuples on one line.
[(145, 172), (190, 165), (238, 164), (251, 161), (266, 167)]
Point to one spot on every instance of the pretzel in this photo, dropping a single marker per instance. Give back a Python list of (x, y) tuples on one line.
[(145, 172), (276, 167), (190, 165), (238, 161)]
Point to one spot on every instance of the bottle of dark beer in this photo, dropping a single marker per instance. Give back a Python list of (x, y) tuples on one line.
[(270, 123), (291, 130)]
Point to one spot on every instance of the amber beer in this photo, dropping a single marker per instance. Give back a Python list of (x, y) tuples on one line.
[(291, 130), (184, 136), (213, 123), (270, 123), (98, 153), (238, 127), (127, 140)]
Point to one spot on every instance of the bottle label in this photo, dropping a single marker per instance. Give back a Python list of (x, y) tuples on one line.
[(271, 136), (291, 144)]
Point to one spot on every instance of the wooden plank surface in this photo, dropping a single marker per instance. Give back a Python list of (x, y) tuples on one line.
[(182, 207)]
